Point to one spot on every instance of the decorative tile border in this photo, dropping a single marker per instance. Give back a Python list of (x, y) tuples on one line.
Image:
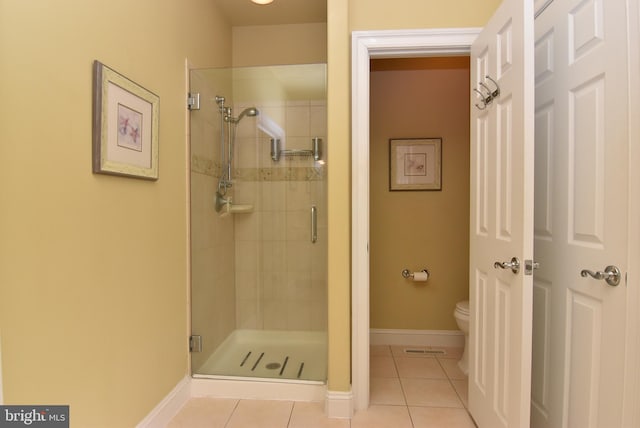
[(212, 168), (281, 174), (205, 166)]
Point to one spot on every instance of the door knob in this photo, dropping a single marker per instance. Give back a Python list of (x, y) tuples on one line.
[(611, 274), (514, 265)]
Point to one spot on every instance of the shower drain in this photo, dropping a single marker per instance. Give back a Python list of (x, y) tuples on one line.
[(271, 366)]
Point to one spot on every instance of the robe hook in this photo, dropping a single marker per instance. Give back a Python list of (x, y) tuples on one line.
[(496, 91), (482, 99), (489, 96)]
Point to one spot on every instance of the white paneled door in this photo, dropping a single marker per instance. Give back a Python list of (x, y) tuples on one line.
[(501, 221), (581, 214)]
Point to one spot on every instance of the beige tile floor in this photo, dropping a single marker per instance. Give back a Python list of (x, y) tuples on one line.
[(407, 390)]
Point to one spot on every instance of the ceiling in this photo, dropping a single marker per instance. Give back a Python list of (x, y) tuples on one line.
[(244, 12)]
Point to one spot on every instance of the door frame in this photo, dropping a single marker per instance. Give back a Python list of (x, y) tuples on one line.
[(631, 396), (367, 45)]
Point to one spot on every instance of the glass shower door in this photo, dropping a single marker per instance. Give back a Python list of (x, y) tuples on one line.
[(269, 286)]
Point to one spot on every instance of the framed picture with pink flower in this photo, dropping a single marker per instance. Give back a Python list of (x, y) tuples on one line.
[(125, 126)]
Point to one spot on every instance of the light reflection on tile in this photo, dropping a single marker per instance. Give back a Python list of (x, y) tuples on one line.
[(424, 368), (377, 416), (436, 417), (430, 392), (386, 391), (383, 367), (450, 366), (256, 413), (204, 412), (311, 415)]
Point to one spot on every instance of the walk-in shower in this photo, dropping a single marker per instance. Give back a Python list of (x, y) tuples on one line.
[(258, 224)]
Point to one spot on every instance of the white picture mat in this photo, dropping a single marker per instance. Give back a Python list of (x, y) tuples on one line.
[(415, 164), (115, 153)]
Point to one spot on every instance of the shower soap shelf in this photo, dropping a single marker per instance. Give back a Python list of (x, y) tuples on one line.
[(315, 151), (230, 208), (240, 208), (224, 206)]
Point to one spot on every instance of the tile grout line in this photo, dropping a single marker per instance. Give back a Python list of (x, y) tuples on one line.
[(452, 385), (293, 405), (464, 406), (404, 395), (226, 423), (395, 366)]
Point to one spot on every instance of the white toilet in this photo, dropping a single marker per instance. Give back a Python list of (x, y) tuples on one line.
[(461, 315)]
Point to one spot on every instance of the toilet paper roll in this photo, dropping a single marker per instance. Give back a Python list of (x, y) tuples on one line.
[(421, 276)]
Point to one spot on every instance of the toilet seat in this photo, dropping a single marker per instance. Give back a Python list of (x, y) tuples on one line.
[(463, 307)]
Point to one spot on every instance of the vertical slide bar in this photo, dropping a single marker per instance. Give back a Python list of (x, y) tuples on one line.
[(314, 224)]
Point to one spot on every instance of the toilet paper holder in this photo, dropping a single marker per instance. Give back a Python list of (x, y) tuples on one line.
[(406, 273)]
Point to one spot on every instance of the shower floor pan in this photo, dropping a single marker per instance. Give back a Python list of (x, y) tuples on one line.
[(270, 354)]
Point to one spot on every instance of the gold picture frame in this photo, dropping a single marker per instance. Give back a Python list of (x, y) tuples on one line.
[(125, 126), (415, 164)]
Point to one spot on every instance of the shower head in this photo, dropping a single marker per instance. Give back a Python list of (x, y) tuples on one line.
[(250, 111)]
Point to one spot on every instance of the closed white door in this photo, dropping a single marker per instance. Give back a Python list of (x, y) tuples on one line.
[(501, 224), (581, 209)]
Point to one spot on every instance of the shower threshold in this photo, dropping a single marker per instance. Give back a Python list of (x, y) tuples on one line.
[(271, 355)]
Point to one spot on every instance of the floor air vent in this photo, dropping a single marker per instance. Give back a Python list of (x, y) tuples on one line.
[(414, 351)]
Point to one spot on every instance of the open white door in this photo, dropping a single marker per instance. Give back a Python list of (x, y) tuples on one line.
[(501, 220), (582, 214)]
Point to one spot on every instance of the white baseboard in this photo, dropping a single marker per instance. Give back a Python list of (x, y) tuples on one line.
[(162, 414), (444, 338), (249, 388), (339, 404)]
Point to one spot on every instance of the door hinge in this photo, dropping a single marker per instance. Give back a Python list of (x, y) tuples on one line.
[(193, 101), (195, 343)]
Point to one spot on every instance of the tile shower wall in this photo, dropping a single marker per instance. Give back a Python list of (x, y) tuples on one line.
[(281, 277)]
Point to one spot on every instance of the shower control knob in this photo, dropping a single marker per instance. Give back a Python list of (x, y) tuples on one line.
[(514, 265)]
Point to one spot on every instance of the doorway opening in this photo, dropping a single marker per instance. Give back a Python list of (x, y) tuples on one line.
[(368, 45), (420, 215)]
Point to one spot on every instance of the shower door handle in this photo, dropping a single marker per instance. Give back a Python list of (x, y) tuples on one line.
[(314, 224)]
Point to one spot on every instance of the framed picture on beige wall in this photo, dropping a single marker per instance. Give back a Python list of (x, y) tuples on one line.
[(415, 164), (125, 126)]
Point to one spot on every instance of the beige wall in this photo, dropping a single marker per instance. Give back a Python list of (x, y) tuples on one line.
[(93, 268), (400, 14), (339, 202), (280, 44), (419, 98)]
